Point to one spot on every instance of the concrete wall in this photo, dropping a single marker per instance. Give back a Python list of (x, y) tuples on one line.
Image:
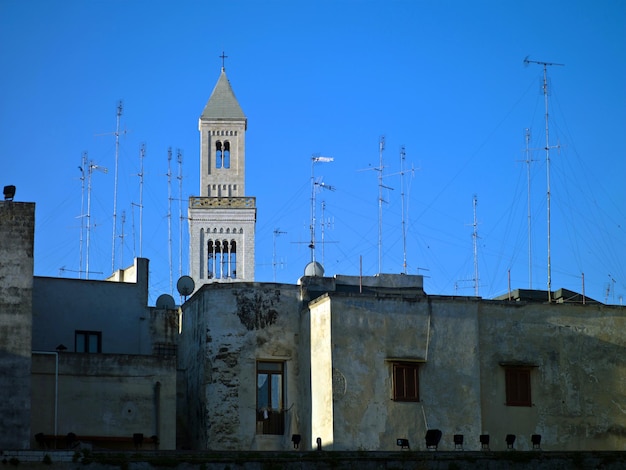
[(578, 387), (369, 333), (105, 395), (17, 230), (227, 328), (117, 309)]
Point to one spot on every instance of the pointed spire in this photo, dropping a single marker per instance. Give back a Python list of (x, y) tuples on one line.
[(222, 104)]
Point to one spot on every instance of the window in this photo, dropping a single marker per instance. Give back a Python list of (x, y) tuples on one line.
[(218, 154), (269, 398), (233, 259), (226, 154), (406, 381), (517, 386), (87, 341)]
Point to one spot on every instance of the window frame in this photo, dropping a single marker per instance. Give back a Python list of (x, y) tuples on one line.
[(518, 385), (87, 334), (409, 371), (270, 421)]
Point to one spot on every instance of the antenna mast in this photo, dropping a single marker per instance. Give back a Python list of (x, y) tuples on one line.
[(314, 160), (117, 153), (142, 155), (92, 167), (402, 157), (547, 148), (82, 168), (122, 239), (381, 148), (530, 250), (169, 211), (179, 158), (277, 232), (475, 241)]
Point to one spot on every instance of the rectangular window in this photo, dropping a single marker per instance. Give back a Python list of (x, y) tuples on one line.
[(87, 341), (406, 381), (517, 381), (269, 397)]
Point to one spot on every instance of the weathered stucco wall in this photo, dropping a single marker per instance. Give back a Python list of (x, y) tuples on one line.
[(226, 329), (105, 395), (578, 383), (17, 231), (368, 334)]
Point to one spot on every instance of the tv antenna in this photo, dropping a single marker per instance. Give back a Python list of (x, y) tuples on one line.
[(83, 177), (117, 155), (528, 160), (92, 167), (314, 185), (276, 232), (547, 148), (381, 186), (142, 155), (169, 212), (475, 244), (179, 159)]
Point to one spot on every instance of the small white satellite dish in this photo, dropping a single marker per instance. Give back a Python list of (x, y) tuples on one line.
[(165, 301), (185, 286)]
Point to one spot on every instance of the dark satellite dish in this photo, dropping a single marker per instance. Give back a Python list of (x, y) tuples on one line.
[(185, 286), (165, 301)]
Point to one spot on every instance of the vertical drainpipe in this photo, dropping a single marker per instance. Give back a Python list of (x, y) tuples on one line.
[(56, 386), (157, 410)]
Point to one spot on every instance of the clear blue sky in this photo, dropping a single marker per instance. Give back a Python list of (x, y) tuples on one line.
[(445, 79)]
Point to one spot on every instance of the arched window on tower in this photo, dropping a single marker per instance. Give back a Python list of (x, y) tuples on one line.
[(218, 154), (227, 154), (233, 259), (225, 258), (218, 260), (211, 259)]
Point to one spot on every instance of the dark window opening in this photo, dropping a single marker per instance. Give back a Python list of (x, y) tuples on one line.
[(87, 341), (218, 154), (517, 386), (211, 260), (226, 154), (406, 381), (233, 259), (269, 397)]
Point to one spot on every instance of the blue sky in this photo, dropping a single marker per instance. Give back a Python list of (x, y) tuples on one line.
[(444, 79)]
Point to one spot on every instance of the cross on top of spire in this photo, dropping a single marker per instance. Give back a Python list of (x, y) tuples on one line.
[(223, 57)]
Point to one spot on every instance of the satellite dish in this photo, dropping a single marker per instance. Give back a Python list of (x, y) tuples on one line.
[(165, 301), (185, 286), (314, 269)]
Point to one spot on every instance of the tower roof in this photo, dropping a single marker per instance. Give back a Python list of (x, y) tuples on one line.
[(222, 104)]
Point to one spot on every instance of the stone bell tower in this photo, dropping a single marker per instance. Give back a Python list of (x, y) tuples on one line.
[(222, 220)]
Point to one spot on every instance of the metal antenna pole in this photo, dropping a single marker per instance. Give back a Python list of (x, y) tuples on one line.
[(169, 211), (142, 155), (92, 167), (380, 204), (122, 239), (82, 168), (402, 157), (475, 240), (530, 250), (545, 98), (117, 153), (277, 232), (314, 160), (322, 227), (179, 158)]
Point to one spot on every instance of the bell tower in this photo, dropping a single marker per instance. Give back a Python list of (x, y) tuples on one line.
[(222, 220)]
